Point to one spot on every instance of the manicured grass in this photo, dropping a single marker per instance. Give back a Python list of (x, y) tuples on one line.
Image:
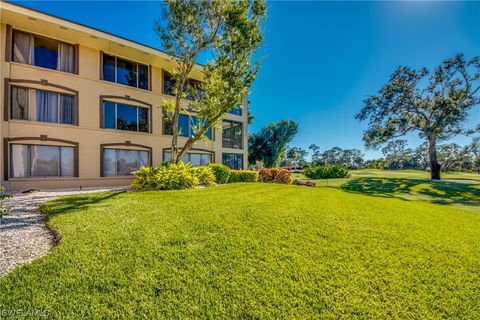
[(402, 174), (457, 189), (447, 176), (253, 251)]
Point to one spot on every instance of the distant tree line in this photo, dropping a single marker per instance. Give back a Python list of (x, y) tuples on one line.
[(270, 146), (451, 156), (350, 158)]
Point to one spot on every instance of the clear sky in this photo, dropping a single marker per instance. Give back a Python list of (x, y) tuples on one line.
[(320, 59)]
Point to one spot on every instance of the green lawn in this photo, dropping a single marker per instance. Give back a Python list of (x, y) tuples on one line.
[(255, 251), (457, 189)]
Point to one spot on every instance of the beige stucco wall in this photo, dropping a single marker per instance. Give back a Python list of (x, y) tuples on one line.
[(89, 133)]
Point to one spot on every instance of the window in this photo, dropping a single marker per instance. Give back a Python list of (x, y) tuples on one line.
[(168, 84), (118, 162), (192, 89), (125, 72), (186, 126), (232, 134), (54, 107), (19, 103), (49, 106), (194, 92), (125, 117), (233, 160), (237, 110), (195, 159), (43, 52), (28, 161)]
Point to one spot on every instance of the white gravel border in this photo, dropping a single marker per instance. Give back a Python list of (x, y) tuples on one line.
[(23, 233)]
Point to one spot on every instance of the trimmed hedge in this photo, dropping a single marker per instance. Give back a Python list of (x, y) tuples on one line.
[(221, 172), (275, 176), (326, 172), (174, 176), (243, 176)]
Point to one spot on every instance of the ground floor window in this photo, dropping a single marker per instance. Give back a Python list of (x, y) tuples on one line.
[(233, 160), (195, 159), (118, 162), (41, 161)]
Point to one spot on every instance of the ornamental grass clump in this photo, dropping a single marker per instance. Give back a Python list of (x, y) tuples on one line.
[(205, 176), (173, 176)]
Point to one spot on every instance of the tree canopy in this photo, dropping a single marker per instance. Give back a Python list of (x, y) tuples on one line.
[(269, 144), (351, 158), (434, 104), (230, 32)]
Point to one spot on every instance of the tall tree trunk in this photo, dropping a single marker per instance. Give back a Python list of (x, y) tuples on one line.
[(174, 146), (180, 86), (432, 153)]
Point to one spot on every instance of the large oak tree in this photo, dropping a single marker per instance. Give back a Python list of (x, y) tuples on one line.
[(433, 103)]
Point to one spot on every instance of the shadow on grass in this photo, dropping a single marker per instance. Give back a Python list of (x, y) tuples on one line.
[(439, 192), (70, 203)]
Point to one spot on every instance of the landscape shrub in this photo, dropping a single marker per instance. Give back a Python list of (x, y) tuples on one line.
[(145, 178), (174, 176), (326, 172), (299, 182), (205, 176), (221, 172), (243, 176), (275, 176)]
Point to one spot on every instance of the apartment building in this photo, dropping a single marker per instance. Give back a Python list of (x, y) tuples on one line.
[(80, 106)]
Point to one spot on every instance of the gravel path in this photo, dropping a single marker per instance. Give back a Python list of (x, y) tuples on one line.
[(23, 233)]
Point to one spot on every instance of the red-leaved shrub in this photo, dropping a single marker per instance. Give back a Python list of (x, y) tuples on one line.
[(275, 176)]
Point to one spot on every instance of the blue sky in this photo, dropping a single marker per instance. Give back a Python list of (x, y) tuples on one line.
[(320, 59)]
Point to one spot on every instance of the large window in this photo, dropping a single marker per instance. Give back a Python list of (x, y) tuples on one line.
[(43, 52), (233, 160), (195, 159), (125, 72), (118, 162), (232, 134), (187, 126), (125, 117), (52, 107), (41, 161), (192, 90)]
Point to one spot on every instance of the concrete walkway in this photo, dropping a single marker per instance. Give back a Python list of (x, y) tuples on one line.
[(23, 233)]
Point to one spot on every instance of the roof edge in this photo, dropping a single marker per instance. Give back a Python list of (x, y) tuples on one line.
[(97, 32)]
